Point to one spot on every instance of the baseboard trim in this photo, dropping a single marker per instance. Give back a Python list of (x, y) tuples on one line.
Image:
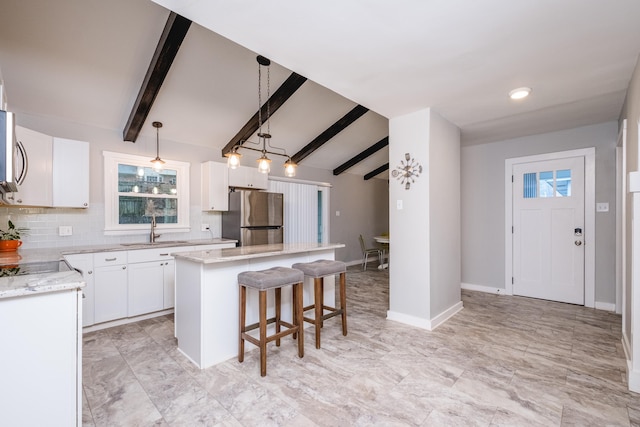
[(118, 322), (446, 315), (482, 288), (427, 324), (606, 306), (633, 377)]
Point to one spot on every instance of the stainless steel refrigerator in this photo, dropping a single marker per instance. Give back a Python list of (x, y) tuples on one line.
[(254, 218)]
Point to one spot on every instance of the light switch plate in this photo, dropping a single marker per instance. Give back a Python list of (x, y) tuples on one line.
[(65, 230), (602, 207)]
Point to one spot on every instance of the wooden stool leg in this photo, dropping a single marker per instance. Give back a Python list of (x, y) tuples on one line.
[(263, 333), (278, 313), (294, 305), (322, 301), (299, 317), (343, 302), (242, 310), (317, 289)]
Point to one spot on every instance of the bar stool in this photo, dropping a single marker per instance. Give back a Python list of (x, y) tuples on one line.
[(274, 278), (319, 270)]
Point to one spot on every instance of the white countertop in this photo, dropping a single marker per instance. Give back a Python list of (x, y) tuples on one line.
[(250, 252), (30, 284)]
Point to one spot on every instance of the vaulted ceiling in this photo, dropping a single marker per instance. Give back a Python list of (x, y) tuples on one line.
[(85, 61)]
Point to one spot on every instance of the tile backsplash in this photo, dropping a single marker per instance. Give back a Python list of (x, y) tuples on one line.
[(88, 226)]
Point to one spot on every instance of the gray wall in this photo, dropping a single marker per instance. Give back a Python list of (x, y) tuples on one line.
[(363, 204), (483, 220), (444, 207)]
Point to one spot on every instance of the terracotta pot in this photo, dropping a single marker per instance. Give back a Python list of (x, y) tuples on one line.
[(9, 245)]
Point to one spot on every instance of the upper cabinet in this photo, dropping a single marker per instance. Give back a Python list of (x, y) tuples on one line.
[(50, 172), (34, 167), (70, 173), (247, 177), (215, 183)]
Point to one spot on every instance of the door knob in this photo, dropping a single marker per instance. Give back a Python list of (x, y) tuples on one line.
[(578, 242)]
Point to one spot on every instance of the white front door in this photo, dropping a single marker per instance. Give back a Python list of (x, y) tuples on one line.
[(548, 230)]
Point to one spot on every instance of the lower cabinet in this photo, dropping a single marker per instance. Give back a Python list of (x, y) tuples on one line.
[(84, 263), (146, 287), (169, 282), (123, 284), (110, 293)]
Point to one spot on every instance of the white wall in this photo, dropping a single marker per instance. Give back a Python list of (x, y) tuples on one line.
[(424, 277), (363, 204), (631, 322), (483, 222)]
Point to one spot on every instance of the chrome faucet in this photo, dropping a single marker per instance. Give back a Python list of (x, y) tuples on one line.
[(153, 236)]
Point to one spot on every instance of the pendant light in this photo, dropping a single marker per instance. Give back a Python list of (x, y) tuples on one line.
[(157, 162), (264, 162)]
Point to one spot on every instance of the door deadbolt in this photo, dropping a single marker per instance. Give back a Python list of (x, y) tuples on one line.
[(577, 231)]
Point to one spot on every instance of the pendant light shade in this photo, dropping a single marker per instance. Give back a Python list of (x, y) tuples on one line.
[(157, 163)]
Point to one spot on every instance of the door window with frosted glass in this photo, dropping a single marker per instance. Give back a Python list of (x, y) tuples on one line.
[(547, 184)]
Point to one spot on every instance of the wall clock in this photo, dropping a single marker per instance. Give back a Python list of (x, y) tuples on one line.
[(408, 171)]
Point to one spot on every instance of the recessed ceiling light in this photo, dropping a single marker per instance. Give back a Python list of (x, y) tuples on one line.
[(519, 93)]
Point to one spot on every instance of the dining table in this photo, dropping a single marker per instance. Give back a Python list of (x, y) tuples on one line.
[(383, 240)]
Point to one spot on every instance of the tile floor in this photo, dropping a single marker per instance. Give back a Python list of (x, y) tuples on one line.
[(502, 360)]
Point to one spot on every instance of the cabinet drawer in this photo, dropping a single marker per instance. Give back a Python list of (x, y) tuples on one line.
[(155, 254), (103, 259)]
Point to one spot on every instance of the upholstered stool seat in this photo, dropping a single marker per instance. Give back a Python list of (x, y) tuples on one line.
[(274, 278), (318, 270)]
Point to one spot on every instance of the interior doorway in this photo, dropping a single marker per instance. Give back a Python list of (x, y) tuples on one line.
[(557, 263)]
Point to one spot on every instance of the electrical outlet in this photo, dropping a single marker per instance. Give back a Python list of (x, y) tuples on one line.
[(65, 230), (205, 227)]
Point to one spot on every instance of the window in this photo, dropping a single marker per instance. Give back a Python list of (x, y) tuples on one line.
[(547, 184), (135, 193)]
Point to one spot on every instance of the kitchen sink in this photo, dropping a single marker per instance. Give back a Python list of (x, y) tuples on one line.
[(162, 243)]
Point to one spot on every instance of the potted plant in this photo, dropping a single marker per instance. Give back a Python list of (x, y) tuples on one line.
[(10, 239)]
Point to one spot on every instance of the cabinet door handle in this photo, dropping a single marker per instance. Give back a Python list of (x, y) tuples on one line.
[(124, 267), (110, 259), (90, 272), (167, 254), (85, 204)]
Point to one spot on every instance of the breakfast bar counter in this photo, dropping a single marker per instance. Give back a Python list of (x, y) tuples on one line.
[(206, 305)]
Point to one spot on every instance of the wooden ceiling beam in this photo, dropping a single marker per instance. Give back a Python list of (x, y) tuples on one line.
[(276, 101), (361, 156), (172, 36), (332, 131), (376, 172)]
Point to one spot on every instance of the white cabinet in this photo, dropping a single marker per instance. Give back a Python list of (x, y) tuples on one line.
[(151, 279), (215, 186), (50, 172), (247, 177), (169, 281), (111, 286), (84, 263), (34, 167), (146, 287), (41, 367), (123, 284), (70, 173)]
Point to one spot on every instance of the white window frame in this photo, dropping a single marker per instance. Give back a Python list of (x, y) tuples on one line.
[(111, 195)]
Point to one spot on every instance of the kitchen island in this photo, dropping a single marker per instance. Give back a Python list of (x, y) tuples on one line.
[(206, 305)]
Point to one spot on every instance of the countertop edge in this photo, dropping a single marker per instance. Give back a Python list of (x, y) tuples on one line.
[(236, 254)]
